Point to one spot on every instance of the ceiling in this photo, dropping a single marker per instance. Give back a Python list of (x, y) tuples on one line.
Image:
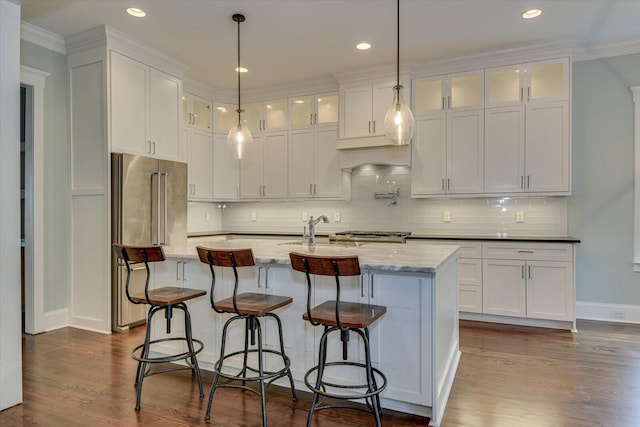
[(287, 41)]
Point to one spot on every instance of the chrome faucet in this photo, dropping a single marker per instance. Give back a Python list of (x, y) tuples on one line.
[(312, 227)]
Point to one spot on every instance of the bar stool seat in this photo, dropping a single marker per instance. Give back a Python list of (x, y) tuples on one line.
[(253, 304), (160, 299), (250, 307), (340, 317)]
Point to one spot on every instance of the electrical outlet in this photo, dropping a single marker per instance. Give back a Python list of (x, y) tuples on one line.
[(207, 217), (305, 216), (336, 216), (254, 216), (446, 216), (617, 313), (520, 216)]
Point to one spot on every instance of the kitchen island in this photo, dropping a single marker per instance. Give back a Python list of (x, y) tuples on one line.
[(415, 343)]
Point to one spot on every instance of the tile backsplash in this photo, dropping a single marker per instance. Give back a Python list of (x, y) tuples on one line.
[(543, 216)]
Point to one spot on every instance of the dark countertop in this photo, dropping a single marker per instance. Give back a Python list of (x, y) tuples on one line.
[(508, 238)]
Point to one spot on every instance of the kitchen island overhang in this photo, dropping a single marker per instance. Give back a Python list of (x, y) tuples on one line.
[(415, 344)]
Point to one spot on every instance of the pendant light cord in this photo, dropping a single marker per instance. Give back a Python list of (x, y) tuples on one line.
[(398, 46), (239, 105)]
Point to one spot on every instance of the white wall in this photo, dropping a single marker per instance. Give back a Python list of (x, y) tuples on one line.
[(10, 315), (544, 216)]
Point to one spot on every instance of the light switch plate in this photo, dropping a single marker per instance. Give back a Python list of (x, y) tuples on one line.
[(336, 216), (305, 216), (520, 216), (254, 216), (207, 217), (446, 216)]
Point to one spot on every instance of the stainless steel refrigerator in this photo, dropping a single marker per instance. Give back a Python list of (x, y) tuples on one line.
[(148, 207)]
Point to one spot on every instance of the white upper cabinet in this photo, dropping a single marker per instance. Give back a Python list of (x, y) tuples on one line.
[(527, 142), (145, 109), (540, 81), (200, 146), (363, 107), (312, 110), (196, 112), (448, 146), (226, 170), (314, 166), (263, 170), (265, 116), (449, 92)]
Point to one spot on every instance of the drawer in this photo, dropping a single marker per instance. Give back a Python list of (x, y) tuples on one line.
[(470, 298), (528, 251), (470, 271), (468, 248)]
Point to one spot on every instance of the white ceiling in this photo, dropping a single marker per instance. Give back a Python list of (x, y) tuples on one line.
[(286, 41)]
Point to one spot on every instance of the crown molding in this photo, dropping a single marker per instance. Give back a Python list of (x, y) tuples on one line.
[(585, 53), (127, 45), (41, 37), (512, 55), (378, 72), (299, 88)]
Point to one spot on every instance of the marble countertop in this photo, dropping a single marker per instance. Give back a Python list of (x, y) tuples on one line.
[(417, 257)]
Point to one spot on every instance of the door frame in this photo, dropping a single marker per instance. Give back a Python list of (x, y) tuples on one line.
[(34, 81)]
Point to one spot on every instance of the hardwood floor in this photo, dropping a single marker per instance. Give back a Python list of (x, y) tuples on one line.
[(508, 376)]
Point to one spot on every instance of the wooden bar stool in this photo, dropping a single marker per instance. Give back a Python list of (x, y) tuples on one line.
[(343, 317), (250, 307), (160, 299)]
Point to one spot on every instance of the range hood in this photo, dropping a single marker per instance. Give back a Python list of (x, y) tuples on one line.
[(357, 151)]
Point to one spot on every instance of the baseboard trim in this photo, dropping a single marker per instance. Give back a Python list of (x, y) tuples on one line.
[(55, 319), (608, 312)]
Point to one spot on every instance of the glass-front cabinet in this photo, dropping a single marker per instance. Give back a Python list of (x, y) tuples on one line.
[(263, 116), (306, 111), (529, 82), (224, 117), (196, 112), (449, 92)]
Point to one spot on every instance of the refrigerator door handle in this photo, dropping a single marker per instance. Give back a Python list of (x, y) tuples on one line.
[(155, 176), (165, 208)]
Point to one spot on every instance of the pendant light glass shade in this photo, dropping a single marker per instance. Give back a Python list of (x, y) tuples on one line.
[(399, 121), (238, 138), (239, 135)]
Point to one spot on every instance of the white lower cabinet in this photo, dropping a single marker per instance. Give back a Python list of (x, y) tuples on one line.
[(534, 281)]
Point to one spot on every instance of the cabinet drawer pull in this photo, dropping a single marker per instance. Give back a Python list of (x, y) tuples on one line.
[(369, 126), (266, 277), (311, 189), (449, 102), (362, 285), (178, 270), (522, 271), (528, 181), (448, 184), (184, 278), (528, 93), (521, 94), (374, 126), (442, 184), (310, 119), (259, 274), (529, 268), (522, 181), (314, 189), (315, 119), (524, 252), (443, 102)]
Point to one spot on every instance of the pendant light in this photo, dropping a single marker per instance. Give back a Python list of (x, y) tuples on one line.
[(239, 135), (399, 121)]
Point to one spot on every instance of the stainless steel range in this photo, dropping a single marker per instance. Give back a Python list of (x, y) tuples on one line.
[(370, 236)]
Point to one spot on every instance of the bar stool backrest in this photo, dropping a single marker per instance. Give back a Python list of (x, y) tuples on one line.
[(225, 258), (325, 266), (137, 255)]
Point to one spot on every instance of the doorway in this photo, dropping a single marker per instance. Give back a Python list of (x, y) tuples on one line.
[(32, 200)]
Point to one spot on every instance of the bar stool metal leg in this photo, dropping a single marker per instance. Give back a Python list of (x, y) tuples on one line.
[(195, 369), (284, 357)]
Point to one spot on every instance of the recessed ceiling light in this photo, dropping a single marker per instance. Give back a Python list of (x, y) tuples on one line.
[(134, 11), (531, 13), (241, 70), (363, 46), (223, 109), (298, 101)]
